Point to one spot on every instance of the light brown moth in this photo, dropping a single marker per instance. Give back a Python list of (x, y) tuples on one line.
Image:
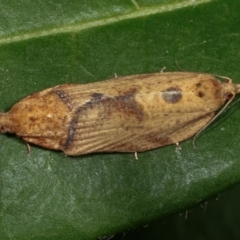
[(125, 114)]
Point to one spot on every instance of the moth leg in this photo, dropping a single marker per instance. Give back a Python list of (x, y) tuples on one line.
[(163, 69), (28, 147), (136, 156), (178, 146), (115, 75)]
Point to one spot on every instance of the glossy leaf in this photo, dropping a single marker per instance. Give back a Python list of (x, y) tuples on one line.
[(46, 195)]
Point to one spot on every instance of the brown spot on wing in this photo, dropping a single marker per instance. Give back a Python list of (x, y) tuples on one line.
[(172, 95), (201, 94)]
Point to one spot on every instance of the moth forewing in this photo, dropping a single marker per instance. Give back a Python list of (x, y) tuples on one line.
[(126, 114)]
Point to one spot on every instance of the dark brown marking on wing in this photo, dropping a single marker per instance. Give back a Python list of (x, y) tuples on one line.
[(205, 87), (172, 95), (125, 104), (217, 88), (97, 96), (64, 97)]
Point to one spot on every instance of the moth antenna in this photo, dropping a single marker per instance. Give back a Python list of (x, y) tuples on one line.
[(230, 81), (213, 119), (223, 77)]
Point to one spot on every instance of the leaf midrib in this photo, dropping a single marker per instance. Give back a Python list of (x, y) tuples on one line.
[(71, 28)]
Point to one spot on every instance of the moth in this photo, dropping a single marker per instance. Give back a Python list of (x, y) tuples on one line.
[(125, 114)]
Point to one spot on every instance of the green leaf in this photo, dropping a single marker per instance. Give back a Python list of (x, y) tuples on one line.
[(46, 195)]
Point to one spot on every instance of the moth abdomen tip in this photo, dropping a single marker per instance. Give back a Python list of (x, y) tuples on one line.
[(3, 123)]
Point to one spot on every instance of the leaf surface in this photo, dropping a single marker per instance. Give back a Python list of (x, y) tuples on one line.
[(46, 195)]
